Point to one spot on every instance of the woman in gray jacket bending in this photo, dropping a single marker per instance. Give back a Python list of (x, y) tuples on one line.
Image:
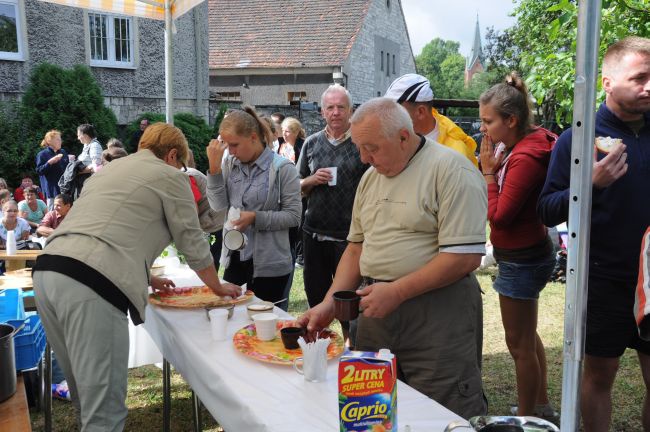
[(266, 189)]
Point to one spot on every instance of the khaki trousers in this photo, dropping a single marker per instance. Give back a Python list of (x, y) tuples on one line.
[(90, 338), (437, 340)]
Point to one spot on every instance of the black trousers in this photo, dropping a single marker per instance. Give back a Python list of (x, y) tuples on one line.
[(321, 259), (215, 248), (266, 288)]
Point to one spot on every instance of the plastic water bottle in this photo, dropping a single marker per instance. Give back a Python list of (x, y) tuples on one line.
[(11, 242)]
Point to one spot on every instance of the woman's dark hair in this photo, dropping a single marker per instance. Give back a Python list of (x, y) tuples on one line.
[(31, 189), (65, 198), (510, 98), (245, 122), (87, 129)]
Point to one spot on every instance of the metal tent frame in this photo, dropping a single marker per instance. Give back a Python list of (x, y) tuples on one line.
[(582, 153)]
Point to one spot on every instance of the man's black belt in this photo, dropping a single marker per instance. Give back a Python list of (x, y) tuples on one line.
[(365, 280)]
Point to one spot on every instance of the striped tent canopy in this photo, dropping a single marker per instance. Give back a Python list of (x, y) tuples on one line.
[(154, 9)]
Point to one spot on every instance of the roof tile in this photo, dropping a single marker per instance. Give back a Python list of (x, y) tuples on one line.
[(283, 33)]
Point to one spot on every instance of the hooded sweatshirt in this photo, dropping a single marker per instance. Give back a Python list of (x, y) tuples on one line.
[(620, 212), (512, 201)]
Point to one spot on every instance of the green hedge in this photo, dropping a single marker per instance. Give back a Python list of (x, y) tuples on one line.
[(62, 99)]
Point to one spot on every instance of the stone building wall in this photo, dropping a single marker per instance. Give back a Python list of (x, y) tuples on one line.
[(383, 30), (58, 35)]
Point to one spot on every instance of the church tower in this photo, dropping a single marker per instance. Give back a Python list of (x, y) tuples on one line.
[(474, 62)]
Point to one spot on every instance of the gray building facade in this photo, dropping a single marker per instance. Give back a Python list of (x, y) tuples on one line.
[(125, 54), (363, 45)]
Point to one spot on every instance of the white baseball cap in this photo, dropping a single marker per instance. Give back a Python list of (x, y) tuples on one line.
[(410, 88)]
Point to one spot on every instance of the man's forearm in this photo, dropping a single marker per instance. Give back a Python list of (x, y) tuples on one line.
[(44, 231), (442, 270)]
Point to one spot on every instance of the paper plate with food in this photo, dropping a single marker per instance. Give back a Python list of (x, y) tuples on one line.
[(195, 297), (273, 351)]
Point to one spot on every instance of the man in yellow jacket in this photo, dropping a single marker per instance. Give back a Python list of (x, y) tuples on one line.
[(414, 93)]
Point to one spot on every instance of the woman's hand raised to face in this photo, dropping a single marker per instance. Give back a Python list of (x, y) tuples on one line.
[(490, 163), (215, 151)]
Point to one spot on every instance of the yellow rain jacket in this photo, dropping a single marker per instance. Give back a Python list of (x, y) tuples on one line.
[(452, 136)]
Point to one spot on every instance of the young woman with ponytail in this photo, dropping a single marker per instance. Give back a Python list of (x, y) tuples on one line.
[(265, 187), (514, 158)]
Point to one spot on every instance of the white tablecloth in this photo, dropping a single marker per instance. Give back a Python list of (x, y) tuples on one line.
[(243, 394)]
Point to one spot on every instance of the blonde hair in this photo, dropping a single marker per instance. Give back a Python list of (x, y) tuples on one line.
[(294, 126), (615, 53), (245, 122), (8, 203), (48, 137), (161, 138)]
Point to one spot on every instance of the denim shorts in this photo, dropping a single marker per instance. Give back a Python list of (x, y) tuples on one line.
[(523, 281)]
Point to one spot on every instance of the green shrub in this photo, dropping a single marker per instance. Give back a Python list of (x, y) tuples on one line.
[(62, 99), (219, 118), (196, 131), (17, 152), (198, 135)]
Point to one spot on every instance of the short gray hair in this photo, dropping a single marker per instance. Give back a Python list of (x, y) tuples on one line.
[(392, 116), (336, 88)]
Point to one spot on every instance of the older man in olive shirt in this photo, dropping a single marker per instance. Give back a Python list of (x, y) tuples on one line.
[(417, 233)]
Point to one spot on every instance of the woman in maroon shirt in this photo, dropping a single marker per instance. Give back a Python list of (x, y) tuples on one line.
[(514, 158)]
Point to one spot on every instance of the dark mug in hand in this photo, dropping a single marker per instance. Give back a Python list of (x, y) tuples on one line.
[(346, 305)]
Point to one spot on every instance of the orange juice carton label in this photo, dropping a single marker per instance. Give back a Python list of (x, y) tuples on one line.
[(368, 392)]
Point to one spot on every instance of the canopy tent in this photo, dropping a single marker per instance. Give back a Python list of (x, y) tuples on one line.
[(166, 10)]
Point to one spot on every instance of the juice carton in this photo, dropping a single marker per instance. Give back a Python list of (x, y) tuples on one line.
[(368, 392)]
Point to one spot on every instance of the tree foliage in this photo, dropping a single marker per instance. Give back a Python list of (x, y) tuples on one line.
[(545, 34), (444, 66)]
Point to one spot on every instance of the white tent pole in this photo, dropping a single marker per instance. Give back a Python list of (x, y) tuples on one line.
[(169, 65), (582, 153)]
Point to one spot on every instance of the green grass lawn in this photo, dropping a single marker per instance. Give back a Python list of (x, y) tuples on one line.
[(145, 383)]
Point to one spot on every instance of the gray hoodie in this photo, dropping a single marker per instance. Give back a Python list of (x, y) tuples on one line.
[(281, 211)]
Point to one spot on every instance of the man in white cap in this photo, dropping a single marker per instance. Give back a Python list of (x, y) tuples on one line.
[(414, 93)]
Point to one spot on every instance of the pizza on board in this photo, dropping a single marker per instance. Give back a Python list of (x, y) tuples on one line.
[(195, 297)]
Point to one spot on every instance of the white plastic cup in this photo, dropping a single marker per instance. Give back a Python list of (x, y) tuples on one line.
[(218, 323), (314, 366), (11, 242), (333, 171), (265, 326)]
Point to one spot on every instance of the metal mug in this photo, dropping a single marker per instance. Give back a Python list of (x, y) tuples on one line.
[(234, 240)]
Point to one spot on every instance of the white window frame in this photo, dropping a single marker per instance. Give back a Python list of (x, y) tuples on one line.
[(110, 47), (20, 55)]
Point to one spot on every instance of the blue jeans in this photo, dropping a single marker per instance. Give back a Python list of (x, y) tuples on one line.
[(523, 281)]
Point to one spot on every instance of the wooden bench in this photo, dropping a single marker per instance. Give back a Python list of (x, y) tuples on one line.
[(14, 412)]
